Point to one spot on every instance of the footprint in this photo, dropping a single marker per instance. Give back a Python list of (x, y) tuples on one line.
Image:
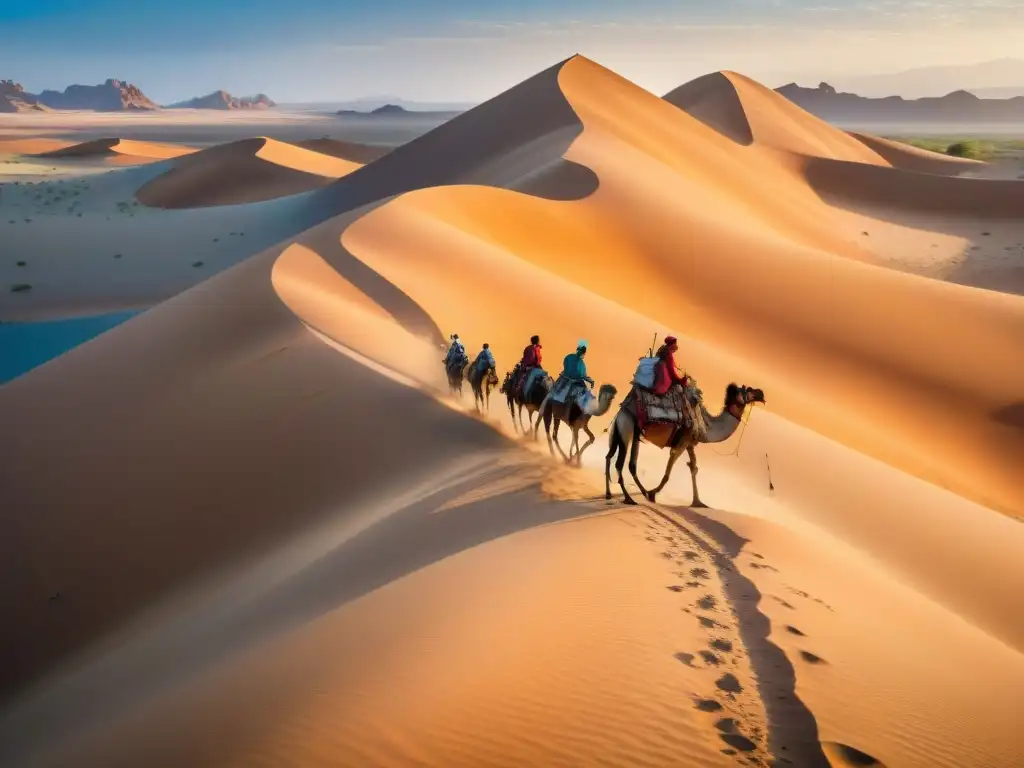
[(691, 555), (675, 588), (693, 583), (794, 631), (729, 683), (709, 658), (708, 705), (844, 756), (811, 658), (708, 622), (781, 602), (742, 743), (686, 658), (726, 725), (721, 645), (759, 557)]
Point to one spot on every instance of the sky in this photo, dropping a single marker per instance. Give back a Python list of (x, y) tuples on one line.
[(469, 50)]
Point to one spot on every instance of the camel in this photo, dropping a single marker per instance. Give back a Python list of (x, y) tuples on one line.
[(482, 382), (576, 418), (706, 429), (532, 403), (455, 376)]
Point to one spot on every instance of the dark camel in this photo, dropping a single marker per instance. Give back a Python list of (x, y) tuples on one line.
[(531, 401)]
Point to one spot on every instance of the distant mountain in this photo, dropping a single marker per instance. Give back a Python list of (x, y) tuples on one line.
[(13, 98), (1006, 92), (110, 96), (939, 80), (957, 107), (224, 100), (394, 110)]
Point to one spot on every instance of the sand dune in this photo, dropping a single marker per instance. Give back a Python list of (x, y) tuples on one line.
[(748, 113), (346, 150), (120, 149), (242, 172), (269, 539)]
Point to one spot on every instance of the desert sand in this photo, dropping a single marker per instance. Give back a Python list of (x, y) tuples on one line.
[(254, 519)]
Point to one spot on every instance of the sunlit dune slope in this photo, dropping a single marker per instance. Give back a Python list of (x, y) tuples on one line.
[(749, 113), (240, 172), (735, 254), (911, 158)]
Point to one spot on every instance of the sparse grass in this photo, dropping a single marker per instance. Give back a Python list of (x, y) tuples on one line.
[(972, 147)]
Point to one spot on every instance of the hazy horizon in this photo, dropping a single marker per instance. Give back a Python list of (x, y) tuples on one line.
[(312, 51)]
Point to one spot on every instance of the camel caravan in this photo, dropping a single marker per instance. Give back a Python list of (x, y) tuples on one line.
[(663, 407)]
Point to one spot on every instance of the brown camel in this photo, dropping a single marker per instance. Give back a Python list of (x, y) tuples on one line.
[(706, 429), (576, 418), (531, 401)]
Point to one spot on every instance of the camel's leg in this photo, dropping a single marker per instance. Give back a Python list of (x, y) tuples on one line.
[(613, 448), (547, 429), (559, 447), (634, 451), (526, 432), (512, 412), (693, 478), (590, 441), (673, 456)]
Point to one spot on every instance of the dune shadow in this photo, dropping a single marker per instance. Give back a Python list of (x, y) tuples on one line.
[(437, 526), (792, 727)]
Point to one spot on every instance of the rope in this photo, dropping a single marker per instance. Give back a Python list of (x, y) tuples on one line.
[(743, 428)]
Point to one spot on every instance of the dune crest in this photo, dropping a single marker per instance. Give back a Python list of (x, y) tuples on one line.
[(749, 113)]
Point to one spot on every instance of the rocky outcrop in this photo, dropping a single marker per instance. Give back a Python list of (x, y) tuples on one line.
[(14, 98), (110, 96), (956, 107), (224, 100)]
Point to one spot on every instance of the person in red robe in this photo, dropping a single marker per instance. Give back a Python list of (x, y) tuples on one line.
[(665, 373), (532, 358)]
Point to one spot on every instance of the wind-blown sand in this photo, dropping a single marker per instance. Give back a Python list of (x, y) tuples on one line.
[(251, 517)]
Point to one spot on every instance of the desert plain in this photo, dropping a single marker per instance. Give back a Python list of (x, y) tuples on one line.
[(249, 525)]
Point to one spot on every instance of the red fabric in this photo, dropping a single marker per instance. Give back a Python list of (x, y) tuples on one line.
[(531, 357), (665, 374)]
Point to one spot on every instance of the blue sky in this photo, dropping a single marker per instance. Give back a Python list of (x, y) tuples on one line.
[(451, 50)]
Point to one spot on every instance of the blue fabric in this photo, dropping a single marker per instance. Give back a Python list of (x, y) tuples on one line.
[(484, 360), (573, 367), (456, 353)]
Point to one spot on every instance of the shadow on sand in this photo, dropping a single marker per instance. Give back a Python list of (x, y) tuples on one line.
[(155, 659), (792, 729)]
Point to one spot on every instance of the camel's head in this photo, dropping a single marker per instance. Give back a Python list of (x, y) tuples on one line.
[(505, 384), (607, 391), (739, 396), (492, 377)]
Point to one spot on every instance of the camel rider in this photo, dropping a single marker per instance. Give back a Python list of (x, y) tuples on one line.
[(532, 358), (574, 370), (456, 353), (484, 361), (665, 373), (573, 376)]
